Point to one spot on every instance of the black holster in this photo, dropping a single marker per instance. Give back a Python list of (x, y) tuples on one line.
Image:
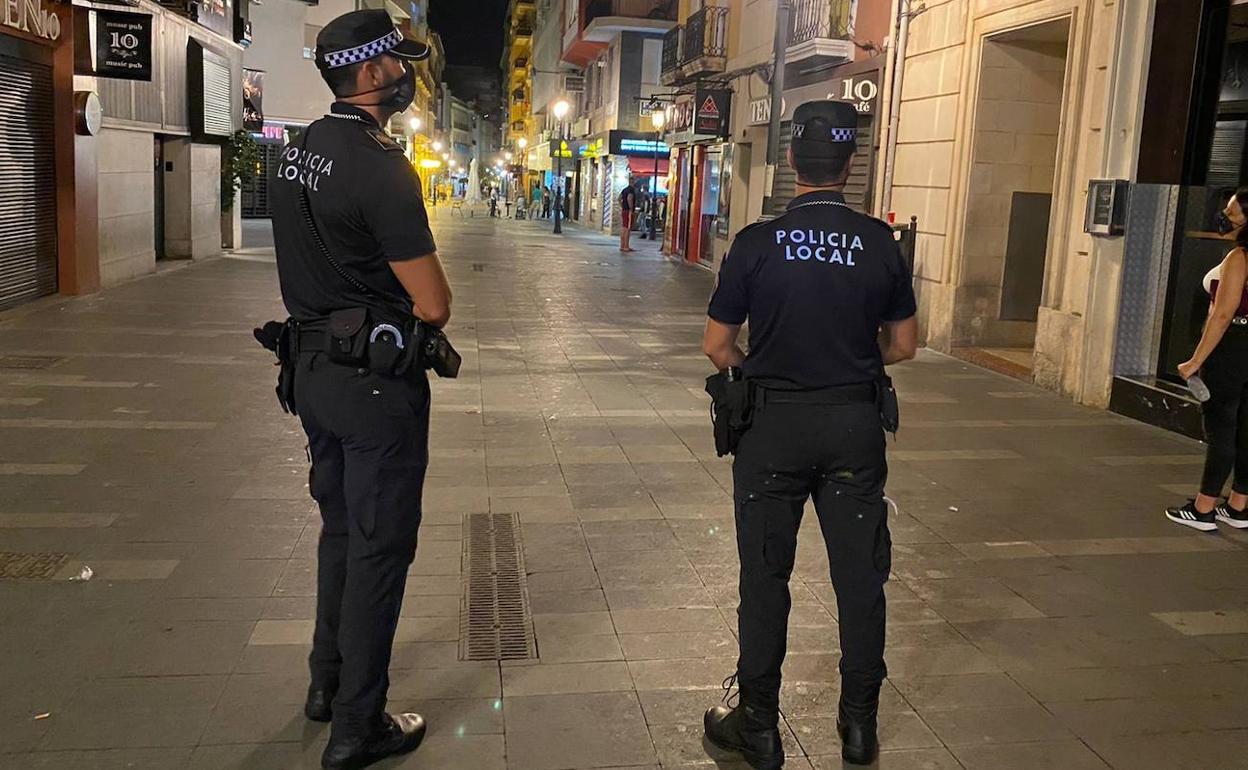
[(886, 400), (282, 338), (732, 410)]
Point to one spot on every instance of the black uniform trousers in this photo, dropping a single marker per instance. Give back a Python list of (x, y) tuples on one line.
[(835, 454), (368, 436), (1226, 414)]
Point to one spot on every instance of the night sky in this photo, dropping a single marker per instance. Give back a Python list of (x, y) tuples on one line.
[(471, 30)]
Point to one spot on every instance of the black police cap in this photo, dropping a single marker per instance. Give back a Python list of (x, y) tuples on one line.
[(362, 35), (825, 129)]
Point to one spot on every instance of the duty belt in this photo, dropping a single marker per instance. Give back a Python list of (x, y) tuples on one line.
[(865, 392), (1240, 320)]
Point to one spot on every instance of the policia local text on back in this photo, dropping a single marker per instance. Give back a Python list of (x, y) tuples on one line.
[(367, 298), (829, 302)]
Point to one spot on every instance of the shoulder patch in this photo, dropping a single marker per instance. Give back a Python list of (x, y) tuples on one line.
[(384, 141)]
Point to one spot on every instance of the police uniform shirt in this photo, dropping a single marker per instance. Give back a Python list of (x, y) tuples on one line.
[(366, 200), (815, 284)]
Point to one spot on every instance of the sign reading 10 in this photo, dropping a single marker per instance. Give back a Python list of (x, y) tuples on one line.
[(126, 40), (862, 92)]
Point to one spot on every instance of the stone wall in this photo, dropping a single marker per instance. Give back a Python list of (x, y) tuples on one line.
[(127, 195), (1099, 137), (192, 199)]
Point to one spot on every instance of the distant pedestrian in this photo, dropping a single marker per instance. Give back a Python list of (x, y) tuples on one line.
[(628, 205), (1221, 361), (546, 202)]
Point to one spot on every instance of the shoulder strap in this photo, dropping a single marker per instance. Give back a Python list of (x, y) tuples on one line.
[(306, 208)]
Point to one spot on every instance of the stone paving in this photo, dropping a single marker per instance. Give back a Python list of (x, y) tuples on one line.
[(1043, 613)]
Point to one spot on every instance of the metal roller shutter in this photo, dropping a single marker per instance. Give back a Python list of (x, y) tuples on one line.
[(27, 182), (856, 189)]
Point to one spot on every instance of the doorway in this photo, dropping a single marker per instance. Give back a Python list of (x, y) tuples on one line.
[(1009, 196)]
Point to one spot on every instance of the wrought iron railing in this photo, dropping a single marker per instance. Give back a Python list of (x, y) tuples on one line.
[(815, 19), (706, 34), (671, 49)]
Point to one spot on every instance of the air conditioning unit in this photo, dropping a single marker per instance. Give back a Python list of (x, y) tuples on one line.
[(574, 84)]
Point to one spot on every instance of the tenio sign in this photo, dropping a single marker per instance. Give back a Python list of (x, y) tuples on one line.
[(29, 16)]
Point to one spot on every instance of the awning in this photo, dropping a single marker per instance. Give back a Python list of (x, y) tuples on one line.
[(645, 166)]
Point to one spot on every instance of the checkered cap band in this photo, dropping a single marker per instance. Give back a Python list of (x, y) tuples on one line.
[(835, 135), (364, 52)]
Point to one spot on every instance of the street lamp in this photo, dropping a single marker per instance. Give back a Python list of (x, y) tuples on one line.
[(658, 118), (414, 123), (437, 147), (561, 111)]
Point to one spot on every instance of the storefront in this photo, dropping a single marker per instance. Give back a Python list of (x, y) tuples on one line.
[(1193, 157), (700, 158), (37, 257), (608, 161)]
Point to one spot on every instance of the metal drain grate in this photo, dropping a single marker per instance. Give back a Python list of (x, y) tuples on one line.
[(28, 362), (30, 566), (478, 267), (494, 618)]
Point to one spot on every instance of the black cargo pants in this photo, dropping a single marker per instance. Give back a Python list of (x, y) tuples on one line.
[(835, 454), (368, 436)]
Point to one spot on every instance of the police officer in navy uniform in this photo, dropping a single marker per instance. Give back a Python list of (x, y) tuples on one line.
[(368, 245), (829, 302)]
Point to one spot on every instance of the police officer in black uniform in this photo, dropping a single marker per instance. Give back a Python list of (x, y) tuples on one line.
[(829, 302), (353, 243)]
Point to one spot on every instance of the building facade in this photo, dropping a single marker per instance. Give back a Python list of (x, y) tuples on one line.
[(1008, 110), (718, 62), (618, 44)]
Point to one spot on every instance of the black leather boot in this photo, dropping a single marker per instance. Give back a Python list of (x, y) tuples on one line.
[(399, 734), (742, 729), (859, 742), (317, 708)]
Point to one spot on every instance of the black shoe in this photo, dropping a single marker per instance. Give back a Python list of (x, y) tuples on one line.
[(401, 734), (859, 743), (1230, 516), (317, 708), (1188, 516), (740, 729)]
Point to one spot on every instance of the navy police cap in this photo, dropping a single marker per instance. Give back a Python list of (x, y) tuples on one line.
[(825, 128), (362, 35)]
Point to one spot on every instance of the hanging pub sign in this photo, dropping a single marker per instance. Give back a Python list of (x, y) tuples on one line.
[(703, 114), (123, 45), (711, 116), (253, 100)]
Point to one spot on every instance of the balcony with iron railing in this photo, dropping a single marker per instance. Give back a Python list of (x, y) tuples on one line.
[(671, 50), (601, 21), (697, 49), (821, 32)]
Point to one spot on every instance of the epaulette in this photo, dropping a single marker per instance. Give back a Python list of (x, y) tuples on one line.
[(384, 140)]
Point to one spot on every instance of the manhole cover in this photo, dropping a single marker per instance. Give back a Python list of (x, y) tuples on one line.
[(30, 566), (494, 621), (28, 362)]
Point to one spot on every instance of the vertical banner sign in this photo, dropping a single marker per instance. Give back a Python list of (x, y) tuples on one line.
[(253, 100), (123, 45)]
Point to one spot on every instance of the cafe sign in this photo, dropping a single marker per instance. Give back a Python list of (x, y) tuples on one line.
[(31, 17)]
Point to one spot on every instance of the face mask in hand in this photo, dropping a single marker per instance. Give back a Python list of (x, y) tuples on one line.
[(1225, 225)]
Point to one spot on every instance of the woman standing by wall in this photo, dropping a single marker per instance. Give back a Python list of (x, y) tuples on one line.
[(1221, 359)]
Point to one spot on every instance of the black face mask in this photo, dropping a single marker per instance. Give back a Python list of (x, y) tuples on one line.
[(404, 91), (1225, 225)]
